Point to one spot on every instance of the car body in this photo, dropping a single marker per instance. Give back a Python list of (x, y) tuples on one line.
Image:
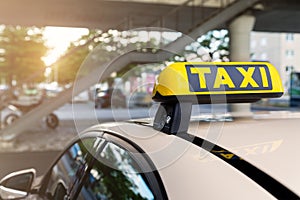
[(110, 98), (179, 166), (82, 97)]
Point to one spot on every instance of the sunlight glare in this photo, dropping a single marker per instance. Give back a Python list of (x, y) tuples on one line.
[(58, 40)]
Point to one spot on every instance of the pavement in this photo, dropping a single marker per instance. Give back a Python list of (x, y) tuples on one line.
[(73, 118), (41, 138), (37, 148), (15, 161)]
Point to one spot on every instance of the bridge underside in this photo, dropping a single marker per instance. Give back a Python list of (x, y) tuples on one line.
[(275, 16), (121, 15), (278, 16)]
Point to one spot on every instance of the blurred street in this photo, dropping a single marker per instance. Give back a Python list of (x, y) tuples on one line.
[(13, 161), (39, 145)]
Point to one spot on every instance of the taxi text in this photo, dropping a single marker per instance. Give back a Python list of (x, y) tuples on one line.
[(230, 78)]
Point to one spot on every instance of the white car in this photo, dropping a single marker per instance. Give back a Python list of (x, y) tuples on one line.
[(173, 157)]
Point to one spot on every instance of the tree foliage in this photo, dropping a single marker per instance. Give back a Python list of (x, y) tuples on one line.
[(213, 46), (21, 51), (105, 47)]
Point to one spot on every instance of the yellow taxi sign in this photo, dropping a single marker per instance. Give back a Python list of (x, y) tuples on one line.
[(198, 82)]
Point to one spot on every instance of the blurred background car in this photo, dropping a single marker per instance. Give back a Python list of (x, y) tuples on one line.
[(110, 98), (140, 99), (82, 97)]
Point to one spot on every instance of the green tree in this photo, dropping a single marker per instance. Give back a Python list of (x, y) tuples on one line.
[(213, 46), (70, 62), (21, 51), (108, 45)]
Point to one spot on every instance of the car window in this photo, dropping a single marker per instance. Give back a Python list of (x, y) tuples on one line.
[(65, 175), (115, 175)]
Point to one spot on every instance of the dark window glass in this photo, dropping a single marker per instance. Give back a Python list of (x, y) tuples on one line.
[(115, 175), (289, 36)]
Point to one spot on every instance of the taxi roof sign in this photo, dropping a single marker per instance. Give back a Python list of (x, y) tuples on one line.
[(222, 82)]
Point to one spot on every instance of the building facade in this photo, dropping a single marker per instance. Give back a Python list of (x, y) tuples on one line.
[(280, 49)]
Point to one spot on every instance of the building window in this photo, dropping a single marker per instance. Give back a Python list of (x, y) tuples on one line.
[(263, 41), (253, 44), (289, 53), (264, 56), (289, 37), (289, 69)]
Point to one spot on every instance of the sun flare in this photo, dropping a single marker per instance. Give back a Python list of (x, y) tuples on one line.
[(58, 39)]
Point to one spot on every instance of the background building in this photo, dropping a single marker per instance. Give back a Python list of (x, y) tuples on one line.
[(280, 49)]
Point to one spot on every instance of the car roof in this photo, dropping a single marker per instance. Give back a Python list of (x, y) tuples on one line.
[(268, 144), (188, 172)]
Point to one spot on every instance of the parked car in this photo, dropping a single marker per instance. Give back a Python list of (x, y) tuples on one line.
[(81, 97), (110, 98), (140, 99)]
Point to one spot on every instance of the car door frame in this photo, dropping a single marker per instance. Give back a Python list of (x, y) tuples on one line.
[(151, 176), (142, 159), (45, 181)]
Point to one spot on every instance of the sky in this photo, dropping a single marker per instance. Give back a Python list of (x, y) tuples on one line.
[(58, 39)]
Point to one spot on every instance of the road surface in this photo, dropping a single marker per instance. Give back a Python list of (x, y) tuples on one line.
[(41, 161)]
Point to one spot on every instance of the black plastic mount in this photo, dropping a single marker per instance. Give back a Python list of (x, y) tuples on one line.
[(215, 98), (173, 118)]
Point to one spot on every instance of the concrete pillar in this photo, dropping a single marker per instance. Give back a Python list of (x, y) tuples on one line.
[(240, 29)]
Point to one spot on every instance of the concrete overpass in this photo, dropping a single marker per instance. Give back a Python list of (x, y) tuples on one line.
[(121, 15), (180, 15)]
